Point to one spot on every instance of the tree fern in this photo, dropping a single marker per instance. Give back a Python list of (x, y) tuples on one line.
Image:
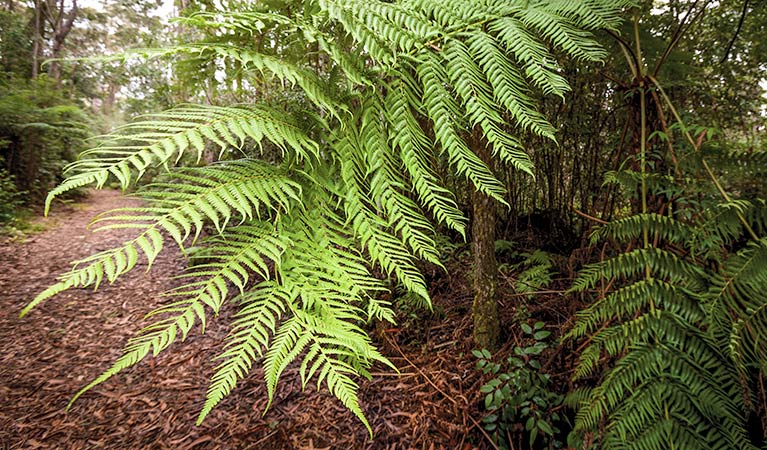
[(354, 187)]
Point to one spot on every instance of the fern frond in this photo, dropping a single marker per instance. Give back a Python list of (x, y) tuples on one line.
[(737, 301), (109, 263), (631, 227), (412, 144), (669, 385), (262, 309), (271, 66), (562, 33), (386, 181), (153, 339), (211, 194), (661, 262), (540, 66), (165, 137), (447, 119)]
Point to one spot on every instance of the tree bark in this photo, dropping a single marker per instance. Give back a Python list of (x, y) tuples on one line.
[(487, 325), (38, 38), (63, 25)]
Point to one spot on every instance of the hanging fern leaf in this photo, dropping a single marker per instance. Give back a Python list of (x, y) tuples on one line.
[(164, 138)]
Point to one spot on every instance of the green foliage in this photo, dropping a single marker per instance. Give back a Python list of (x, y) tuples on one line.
[(669, 383), (40, 132), (10, 198), (535, 272), (15, 46), (519, 393), (347, 186)]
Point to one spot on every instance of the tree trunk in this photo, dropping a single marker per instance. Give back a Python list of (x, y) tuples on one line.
[(487, 325), (63, 25), (38, 38)]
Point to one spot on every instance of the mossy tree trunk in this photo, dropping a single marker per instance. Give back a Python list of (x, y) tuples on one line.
[(487, 325)]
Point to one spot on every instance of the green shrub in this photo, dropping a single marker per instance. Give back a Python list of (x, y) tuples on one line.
[(10, 198), (518, 395)]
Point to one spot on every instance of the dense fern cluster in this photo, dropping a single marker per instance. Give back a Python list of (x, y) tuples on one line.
[(354, 186), (681, 319), (670, 384)]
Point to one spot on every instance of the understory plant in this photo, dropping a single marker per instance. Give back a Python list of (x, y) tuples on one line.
[(518, 395), (10, 198), (673, 338), (374, 100)]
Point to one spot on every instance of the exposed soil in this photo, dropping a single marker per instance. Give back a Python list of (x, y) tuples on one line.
[(63, 344)]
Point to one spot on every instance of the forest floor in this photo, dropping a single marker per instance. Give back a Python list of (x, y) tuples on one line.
[(434, 403)]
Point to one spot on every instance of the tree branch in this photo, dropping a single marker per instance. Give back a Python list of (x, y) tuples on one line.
[(737, 32)]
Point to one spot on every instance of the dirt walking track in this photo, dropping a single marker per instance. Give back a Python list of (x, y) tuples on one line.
[(47, 356)]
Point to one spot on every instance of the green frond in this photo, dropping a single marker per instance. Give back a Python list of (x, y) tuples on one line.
[(153, 339), (737, 301), (669, 384), (631, 227), (289, 341), (250, 22), (271, 66), (469, 81), (165, 137), (244, 190), (109, 263), (562, 33), (508, 84), (413, 145), (261, 310), (530, 52), (394, 23), (447, 119), (662, 263), (589, 14), (721, 224), (246, 249), (623, 303), (211, 194), (370, 41)]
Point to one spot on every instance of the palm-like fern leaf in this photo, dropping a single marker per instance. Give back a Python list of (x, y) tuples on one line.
[(420, 77), (738, 303), (670, 384), (165, 137), (214, 195), (247, 247)]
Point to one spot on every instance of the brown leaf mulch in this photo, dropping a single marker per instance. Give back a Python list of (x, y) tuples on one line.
[(63, 344)]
